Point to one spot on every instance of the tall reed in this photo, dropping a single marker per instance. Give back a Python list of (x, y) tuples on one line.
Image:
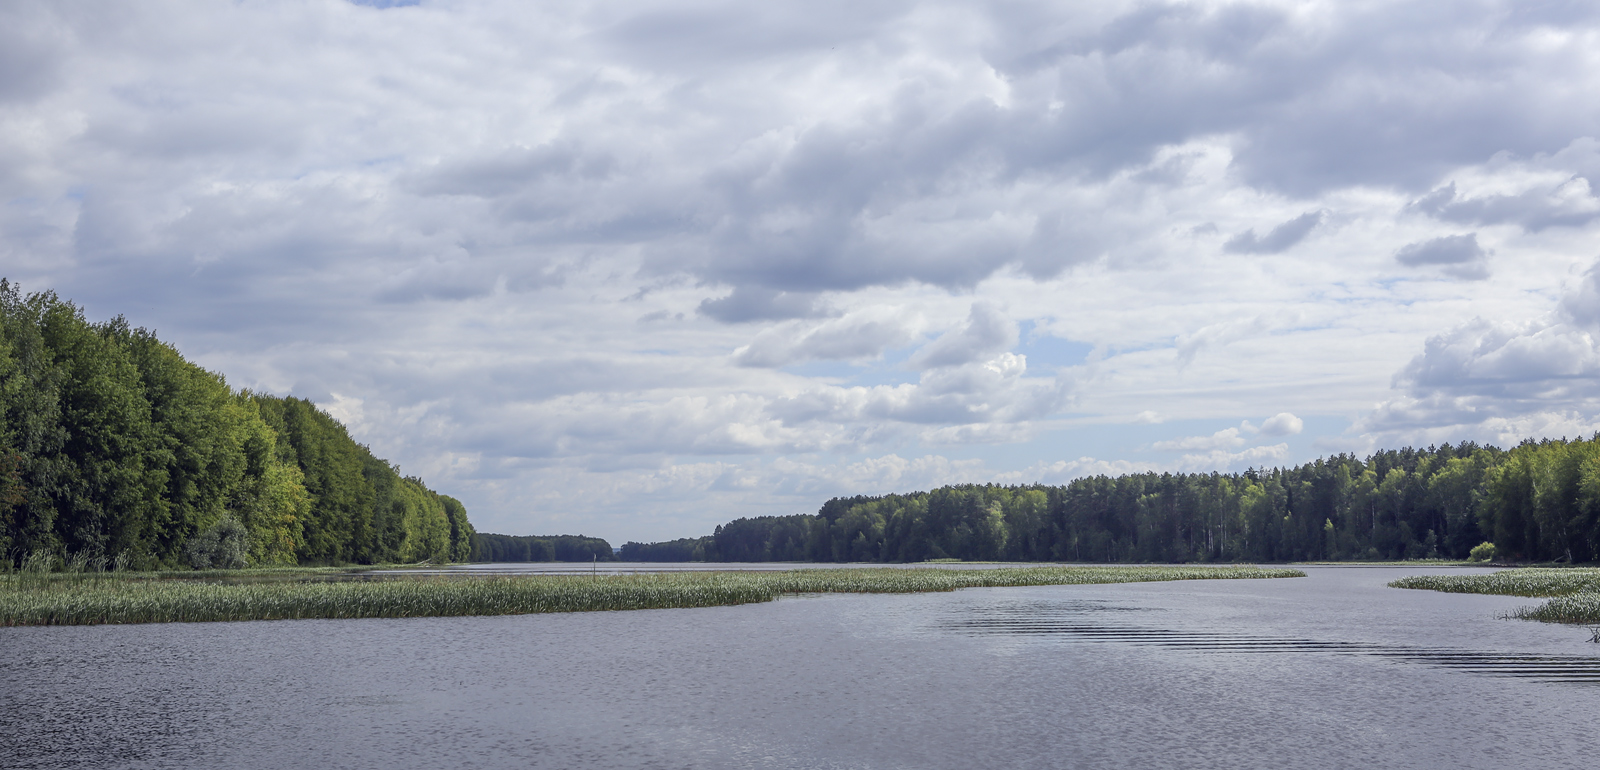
[(1576, 591), (148, 601)]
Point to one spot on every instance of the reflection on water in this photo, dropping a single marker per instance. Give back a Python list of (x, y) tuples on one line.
[(1331, 671), (1084, 621)]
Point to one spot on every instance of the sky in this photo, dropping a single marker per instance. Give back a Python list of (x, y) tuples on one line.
[(635, 269)]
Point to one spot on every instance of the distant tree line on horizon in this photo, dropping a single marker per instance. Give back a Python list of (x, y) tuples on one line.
[(114, 447), (489, 547), (1537, 502)]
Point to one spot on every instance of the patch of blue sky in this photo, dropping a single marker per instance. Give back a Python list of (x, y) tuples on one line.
[(1047, 353), (385, 3)]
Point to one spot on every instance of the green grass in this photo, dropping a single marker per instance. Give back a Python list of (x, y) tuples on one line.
[(134, 600), (1576, 591)]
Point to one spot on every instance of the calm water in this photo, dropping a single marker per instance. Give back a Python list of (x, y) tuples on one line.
[(1334, 670)]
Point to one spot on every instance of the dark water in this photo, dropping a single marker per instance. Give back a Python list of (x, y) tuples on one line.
[(1334, 670)]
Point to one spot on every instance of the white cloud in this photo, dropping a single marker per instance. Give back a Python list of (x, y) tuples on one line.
[(1501, 381), (1223, 460), (1282, 424), (1225, 438), (559, 254), (987, 333)]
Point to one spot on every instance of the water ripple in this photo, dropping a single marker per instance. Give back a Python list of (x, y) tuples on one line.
[(1086, 622)]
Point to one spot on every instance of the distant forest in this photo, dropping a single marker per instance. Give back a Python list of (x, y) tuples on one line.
[(114, 447), (488, 547), (1537, 502)]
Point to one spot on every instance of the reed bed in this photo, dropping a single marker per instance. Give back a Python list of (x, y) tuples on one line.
[(922, 580), (1576, 591), (143, 601), (1512, 582), (1581, 609)]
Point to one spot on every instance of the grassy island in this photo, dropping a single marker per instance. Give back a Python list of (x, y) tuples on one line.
[(284, 595), (1575, 592)]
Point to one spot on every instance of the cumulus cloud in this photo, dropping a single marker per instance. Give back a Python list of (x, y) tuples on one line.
[(1282, 424), (988, 331), (1485, 376), (460, 213)]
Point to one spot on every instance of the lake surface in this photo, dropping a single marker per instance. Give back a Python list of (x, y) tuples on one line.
[(1333, 670)]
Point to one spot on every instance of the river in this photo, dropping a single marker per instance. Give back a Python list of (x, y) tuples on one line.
[(1333, 670)]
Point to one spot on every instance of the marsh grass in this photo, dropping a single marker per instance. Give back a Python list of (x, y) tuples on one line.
[(1537, 582), (1576, 591), (271, 598)]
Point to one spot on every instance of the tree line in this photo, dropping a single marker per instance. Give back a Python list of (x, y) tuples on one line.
[(488, 547), (113, 445), (1539, 501)]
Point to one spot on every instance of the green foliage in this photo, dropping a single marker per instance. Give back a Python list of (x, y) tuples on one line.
[(226, 545), (488, 547), (1481, 552), (112, 443), (683, 549), (1538, 502)]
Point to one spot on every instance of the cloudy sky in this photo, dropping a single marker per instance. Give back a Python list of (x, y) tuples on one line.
[(633, 269)]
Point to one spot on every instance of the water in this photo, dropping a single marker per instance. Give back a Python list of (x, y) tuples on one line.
[(1333, 670)]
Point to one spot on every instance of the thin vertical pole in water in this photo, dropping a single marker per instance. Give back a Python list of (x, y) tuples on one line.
[(594, 569)]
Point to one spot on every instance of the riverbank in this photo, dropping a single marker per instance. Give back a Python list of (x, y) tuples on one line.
[(280, 595)]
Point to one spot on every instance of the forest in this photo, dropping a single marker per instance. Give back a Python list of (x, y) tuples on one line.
[(488, 547), (113, 447), (1537, 502)]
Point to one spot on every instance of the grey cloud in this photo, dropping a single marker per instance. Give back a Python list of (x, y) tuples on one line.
[(510, 170), (1314, 104), (1581, 303), (1279, 240), (697, 36), (255, 180), (755, 304), (31, 51), (986, 333), (437, 279), (1569, 203), (1459, 255)]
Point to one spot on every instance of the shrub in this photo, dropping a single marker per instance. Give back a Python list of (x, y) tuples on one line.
[(224, 546), (1481, 552)]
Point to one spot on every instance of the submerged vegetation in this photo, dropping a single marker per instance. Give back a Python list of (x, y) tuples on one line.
[(114, 447), (32, 600), (1538, 502), (1576, 591)]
